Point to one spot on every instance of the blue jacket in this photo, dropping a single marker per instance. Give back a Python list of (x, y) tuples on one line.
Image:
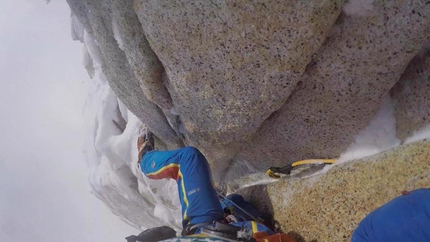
[(405, 218)]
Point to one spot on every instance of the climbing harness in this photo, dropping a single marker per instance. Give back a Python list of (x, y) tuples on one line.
[(274, 172)]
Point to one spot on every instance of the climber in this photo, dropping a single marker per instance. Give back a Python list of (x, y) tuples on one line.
[(203, 210), (405, 218)]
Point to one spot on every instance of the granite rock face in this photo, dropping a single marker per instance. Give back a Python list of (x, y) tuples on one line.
[(255, 84), (412, 96), (328, 207), (143, 61), (232, 63), (342, 88)]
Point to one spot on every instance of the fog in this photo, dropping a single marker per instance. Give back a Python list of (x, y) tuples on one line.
[(43, 185)]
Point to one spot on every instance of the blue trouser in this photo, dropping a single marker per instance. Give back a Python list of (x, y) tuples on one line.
[(191, 171), (405, 218)]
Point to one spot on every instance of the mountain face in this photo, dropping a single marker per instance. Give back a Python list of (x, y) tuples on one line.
[(255, 84)]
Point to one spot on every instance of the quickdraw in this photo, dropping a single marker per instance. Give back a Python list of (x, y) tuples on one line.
[(275, 172)]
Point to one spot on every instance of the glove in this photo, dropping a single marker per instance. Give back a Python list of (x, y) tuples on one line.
[(153, 234)]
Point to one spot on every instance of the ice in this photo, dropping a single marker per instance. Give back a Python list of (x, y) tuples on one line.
[(124, 111), (87, 61), (423, 134), (77, 28), (107, 133), (93, 50)]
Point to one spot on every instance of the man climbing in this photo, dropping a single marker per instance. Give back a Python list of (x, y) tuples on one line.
[(203, 212)]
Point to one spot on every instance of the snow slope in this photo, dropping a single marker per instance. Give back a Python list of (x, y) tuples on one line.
[(111, 155)]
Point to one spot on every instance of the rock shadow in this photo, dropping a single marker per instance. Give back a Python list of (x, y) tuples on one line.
[(259, 197)]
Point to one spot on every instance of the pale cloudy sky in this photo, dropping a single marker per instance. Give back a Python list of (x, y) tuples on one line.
[(43, 186)]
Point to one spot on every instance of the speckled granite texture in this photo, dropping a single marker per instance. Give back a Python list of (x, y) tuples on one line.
[(342, 88), (412, 96), (143, 61), (255, 84), (232, 63), (328, 207)]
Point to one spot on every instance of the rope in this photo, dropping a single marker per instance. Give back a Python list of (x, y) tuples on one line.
[(239, 207)]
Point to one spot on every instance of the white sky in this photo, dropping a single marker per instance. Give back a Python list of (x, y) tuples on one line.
[(43, 186)]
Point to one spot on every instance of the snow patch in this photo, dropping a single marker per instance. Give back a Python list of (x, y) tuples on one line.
[(93, 50), (423, 134), (124, 111), (359, 7), (379, 135), (87, 61), (260, 179), (117, 34)]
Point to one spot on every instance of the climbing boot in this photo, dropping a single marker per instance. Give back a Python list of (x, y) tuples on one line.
[(145, 142)]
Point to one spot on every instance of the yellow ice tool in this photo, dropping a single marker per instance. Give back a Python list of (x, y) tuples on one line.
[(274, 172)]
